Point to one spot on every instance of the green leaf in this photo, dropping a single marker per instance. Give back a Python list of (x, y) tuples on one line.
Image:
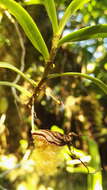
[(74, 6), (28, 25), (13, 68), (21, 89), (50, 8), (31, 2), (90, 32), (81, 169), (96, 81)]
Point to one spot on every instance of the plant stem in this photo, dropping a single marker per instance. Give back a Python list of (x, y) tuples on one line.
[(48, 67), (94, 181)]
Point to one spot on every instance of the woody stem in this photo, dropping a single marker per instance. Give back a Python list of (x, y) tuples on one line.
[(48, 67)]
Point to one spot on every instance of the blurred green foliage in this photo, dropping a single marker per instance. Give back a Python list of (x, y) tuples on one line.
[(84, 107)]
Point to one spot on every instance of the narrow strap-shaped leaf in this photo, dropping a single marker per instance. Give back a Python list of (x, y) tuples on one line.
[(13, 68), (50, 8), (31, 2), (28, 25), (97, 81), (74, 5), (21, 89), (90, 32)]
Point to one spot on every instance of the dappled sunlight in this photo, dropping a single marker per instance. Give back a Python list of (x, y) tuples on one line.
[(53, 95)]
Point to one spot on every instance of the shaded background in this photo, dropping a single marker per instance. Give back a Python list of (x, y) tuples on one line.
[(84, 108)]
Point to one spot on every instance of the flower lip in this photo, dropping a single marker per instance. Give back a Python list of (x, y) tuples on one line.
[(53, 137)]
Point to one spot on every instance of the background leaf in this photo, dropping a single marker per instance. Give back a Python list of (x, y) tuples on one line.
[(28, 25), (91, 32)]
